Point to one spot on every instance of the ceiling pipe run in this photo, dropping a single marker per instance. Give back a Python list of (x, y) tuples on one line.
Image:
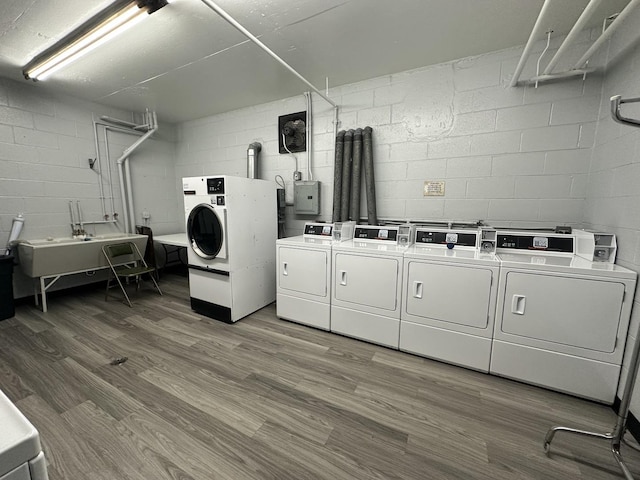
[(606, 34), (573, 34), (216, 8), (538, 28)]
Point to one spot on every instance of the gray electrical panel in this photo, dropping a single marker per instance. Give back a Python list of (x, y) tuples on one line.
[(306, 198)]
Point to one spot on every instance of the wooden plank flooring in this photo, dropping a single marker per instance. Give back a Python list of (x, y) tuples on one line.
[(270, 399)]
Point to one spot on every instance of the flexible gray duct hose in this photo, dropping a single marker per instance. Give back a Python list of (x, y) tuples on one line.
[(346, 176), (356, 175), (372, 216), (337, 176)]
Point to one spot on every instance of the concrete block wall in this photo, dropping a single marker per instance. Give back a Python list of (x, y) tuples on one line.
[(509, 156), (45, 143), (613, 199)]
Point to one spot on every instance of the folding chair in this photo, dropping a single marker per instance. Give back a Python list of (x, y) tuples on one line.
[(126, 262)]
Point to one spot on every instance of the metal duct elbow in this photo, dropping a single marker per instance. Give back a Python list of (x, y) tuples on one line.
[(253, 157)]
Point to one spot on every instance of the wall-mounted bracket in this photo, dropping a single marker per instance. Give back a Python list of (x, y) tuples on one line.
[(616, 101)]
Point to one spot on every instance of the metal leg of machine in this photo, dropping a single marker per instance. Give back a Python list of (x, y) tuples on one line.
[(620, 428)]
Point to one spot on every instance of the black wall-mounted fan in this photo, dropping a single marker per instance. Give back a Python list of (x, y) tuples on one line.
[(292, 132)]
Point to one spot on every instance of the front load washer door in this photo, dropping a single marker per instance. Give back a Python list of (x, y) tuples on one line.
[(206, 231)]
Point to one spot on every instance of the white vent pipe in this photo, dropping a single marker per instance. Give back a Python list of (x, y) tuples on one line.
[(126, 190), (573, 34), (606, 34), (538, 28)]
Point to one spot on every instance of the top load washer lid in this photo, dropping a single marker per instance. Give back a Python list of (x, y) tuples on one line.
[(573, 264), (19, 441), (455, 255)]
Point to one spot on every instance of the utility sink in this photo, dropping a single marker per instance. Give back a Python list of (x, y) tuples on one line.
[(59, 256)]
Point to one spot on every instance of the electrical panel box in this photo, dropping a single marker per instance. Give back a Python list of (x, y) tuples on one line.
[(306, 198)]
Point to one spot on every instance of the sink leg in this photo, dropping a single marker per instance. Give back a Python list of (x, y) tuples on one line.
[(43, 292)]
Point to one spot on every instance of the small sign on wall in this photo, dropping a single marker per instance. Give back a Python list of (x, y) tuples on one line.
[(434, 188)]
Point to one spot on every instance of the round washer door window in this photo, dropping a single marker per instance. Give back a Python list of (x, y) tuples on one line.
[(205, 232)]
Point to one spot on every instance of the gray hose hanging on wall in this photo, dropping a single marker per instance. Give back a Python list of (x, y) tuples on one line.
[(346, 176), (372, 216), (356, 175), (337, 177)]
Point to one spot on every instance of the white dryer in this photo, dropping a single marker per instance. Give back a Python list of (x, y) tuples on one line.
[(231, 231), (366, 284), (21, 456), (561, 320), (304, 273), (449, 297)]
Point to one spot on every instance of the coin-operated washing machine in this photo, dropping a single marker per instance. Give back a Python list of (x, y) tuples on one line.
[(561, 320), (231, 231), (449, 295), (366, 283), (304, 273)]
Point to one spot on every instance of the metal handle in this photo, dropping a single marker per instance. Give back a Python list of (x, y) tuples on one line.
[(284, 269), (417, 289), (343, 277), (518, 303)]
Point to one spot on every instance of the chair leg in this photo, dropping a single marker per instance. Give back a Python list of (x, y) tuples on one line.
[(124, 290), (155, 283)]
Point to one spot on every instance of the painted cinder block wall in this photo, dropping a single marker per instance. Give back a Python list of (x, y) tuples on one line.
[(45, 143), (509, 156), (613, 191)]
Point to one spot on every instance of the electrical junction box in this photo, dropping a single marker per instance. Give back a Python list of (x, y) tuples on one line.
[(306, 198)]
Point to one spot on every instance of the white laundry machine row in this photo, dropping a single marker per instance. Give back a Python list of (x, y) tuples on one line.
[(561, 320), (21, 456), (366, 283), (231, 230), (449, 296), (303, 290)]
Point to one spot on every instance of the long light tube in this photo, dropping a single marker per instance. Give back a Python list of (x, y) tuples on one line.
[(112, 21)]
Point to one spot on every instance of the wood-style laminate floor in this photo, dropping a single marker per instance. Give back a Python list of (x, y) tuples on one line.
[(270, 399)]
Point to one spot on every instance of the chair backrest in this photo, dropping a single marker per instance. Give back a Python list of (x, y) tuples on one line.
[(123, 253), (150, 252)]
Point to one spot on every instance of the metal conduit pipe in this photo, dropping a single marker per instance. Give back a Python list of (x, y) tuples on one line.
[(309, 135), (337, 177), (100, 182), (573, 34), (369, 180), (538, 28), (346, 175), (356, 174)]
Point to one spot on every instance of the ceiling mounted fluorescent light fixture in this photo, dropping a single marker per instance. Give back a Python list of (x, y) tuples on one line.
[(110, 22)]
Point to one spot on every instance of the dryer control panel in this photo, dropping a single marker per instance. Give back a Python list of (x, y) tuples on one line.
[(539, 241), (215, 186)]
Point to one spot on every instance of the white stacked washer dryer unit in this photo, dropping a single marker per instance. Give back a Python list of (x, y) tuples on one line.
[(367, 283), (231, 230), (449, 295), (561, 320), (304, 273)]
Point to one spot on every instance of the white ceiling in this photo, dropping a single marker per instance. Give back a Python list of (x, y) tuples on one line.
[(186, 62)]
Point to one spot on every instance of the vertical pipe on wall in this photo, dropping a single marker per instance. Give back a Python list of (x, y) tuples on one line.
[(337, 177), (372, 215), (346, 175), (356, 174)]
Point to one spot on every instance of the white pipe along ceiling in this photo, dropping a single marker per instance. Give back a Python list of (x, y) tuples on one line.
[(544, 23)]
